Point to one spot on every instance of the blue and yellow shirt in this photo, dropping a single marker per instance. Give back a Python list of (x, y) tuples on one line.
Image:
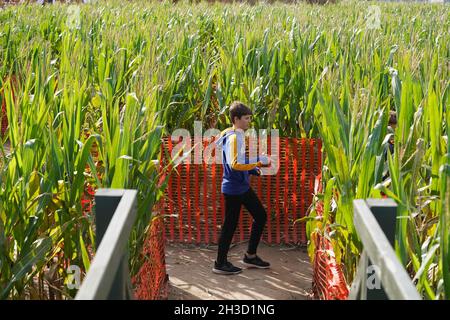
[(236, 166)]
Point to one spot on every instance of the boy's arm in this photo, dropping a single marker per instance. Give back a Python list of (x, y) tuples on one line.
[(247, 166)]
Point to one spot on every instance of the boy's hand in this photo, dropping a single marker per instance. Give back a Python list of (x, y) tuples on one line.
[(269, 163), (265, 160), (255, 171)]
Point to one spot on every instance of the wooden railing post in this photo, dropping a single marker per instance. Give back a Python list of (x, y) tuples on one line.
[(106, 202), (385, 212), (108, 276), (386, 278)]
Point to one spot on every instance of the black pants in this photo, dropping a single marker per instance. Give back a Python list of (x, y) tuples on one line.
[(232, 210)]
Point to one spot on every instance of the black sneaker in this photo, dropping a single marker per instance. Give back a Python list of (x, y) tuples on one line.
[(255, 262), (226, 268)]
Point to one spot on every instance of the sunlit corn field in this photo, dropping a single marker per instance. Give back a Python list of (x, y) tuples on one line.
[(89, 91)]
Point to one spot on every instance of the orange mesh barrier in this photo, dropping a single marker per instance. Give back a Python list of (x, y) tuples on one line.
[(329, 282), (151, 282), (4, 119), (194, 205), (328, 279), (3, 116)]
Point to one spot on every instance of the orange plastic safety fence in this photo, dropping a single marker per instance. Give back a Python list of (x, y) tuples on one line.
[(328, 278), (151, 282), (13, 81), (3, 116), (4, 119), (194, 204)]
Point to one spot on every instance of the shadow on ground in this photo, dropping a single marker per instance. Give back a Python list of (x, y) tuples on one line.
[(191, 278)]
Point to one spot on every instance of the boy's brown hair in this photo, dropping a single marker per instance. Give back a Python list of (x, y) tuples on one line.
[(392, 118), (238, 109)]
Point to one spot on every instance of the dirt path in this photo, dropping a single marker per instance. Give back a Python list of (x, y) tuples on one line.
[(191, 278)]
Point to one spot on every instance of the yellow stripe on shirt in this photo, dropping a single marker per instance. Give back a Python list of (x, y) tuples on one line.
[(234, 155)]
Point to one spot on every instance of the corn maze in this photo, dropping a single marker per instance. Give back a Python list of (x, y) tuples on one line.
[(90, 93)]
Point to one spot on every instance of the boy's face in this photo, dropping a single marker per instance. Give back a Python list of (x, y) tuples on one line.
[(243, 123)]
